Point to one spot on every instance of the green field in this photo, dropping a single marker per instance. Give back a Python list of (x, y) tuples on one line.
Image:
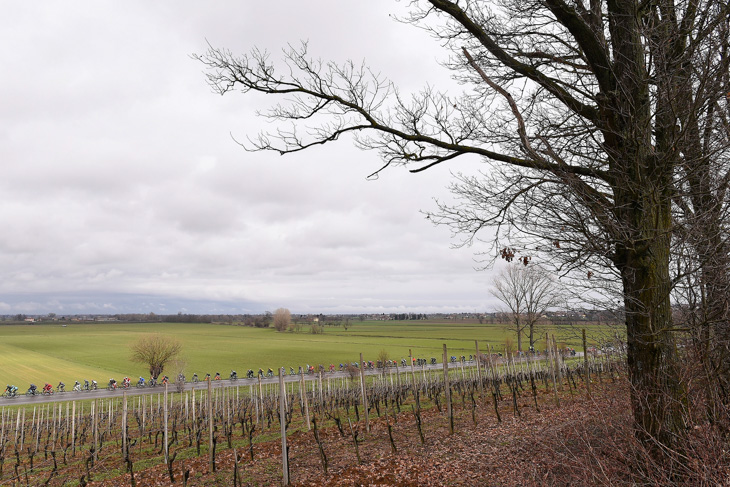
[(51, 352)]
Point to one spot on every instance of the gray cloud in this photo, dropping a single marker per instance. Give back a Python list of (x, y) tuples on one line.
[(122, 185)]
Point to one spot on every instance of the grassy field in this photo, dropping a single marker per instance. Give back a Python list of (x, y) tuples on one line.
[(50, 352)]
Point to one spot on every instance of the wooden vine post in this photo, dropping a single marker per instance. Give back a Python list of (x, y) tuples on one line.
[(551, 359), (558, 364), (95, 427), (447, 391), (73, 428), (261, 404), (363, 390), (124, 426), (413, 370), (479, 369), (303, 393), (167, 448), (282, 421), (587, 371), (211, 452)]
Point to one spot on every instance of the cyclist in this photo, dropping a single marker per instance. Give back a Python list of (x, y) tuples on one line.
[(195, 378), (234, 375), (207, 377), (94, 385), (32, 389), (112, 384), (140, 382), (250, 374), (48, 389), (126, 382), (77, 386), (10, 391), (269, 373), (153, 381), (165, 380), (217, 376), (291, 370), (61, 387)]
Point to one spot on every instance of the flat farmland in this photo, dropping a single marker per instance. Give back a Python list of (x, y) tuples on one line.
[(42, 353)]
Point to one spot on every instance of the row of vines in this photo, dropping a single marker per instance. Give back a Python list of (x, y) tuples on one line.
[(107, 438)]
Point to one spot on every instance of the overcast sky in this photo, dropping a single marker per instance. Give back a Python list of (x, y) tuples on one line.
[(123, 191)]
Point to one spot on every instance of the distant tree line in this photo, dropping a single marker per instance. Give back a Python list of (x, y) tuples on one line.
[(408, 316)]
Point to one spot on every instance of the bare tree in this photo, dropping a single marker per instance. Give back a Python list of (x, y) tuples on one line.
[(282, 319), (155, 351), (508, 289), (382, 359), (580, 112), (528, 292)]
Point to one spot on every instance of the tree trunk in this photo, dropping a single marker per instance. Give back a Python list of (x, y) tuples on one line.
[(642, 191), (658, 397)]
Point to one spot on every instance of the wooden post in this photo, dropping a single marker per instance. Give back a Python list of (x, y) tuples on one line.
[(211, 466), (124, 425), (558, 360), (37, 424), (413, 370), (94, 411), (363, 391), (479, 369), (261, 405), (549, 349), (22, 430), (587, 372), (282, 420), (55, 425), (2, 428), (164, 409), (447, 391), (303, 394), (321, 399), (73, 427), (17, 429)]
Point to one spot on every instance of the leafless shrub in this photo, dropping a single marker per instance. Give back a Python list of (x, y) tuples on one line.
[(155, 351), (282, 319)]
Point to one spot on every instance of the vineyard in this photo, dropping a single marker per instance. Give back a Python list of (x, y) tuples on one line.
[(209, 437)]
